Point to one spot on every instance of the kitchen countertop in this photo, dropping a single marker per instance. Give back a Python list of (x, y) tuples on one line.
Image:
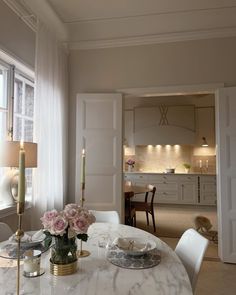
[(163, 173)]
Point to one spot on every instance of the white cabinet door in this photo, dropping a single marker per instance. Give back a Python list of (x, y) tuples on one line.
[(188, 193), (226, 181), (207, 190), (99, 130), (188, 189), (167, 188)]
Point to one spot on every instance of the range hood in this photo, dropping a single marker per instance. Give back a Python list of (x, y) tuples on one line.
[(164, 125)]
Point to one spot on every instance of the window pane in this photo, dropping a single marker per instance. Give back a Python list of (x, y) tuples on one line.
[(18, 96), (28, 131), (3, 126), (3, 87), (17, 131), (29, 100)]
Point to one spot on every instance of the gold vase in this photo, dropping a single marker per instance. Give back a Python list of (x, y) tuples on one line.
[(63, 269)]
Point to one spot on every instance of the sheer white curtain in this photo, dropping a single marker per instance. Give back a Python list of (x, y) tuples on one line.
[(50, 123)]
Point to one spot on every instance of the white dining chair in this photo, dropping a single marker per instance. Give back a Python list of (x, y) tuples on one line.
[(191, 249), (5, 231), (106, 216)]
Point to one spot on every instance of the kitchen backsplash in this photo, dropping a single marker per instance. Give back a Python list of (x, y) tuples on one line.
[(158, 158)]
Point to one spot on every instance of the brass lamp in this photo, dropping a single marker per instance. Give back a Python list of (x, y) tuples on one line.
[(9, 157)]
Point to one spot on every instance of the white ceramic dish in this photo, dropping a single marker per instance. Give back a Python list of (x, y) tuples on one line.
[(135, 246), (33, 242)]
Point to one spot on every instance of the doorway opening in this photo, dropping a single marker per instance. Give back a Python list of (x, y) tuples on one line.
[(191, 190)]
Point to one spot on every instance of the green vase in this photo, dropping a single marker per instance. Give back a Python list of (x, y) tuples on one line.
[(63, 250)]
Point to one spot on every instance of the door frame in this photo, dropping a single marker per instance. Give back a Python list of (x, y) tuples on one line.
[(183, 90)]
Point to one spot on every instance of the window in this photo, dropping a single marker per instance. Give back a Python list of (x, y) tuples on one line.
[(17, 115)]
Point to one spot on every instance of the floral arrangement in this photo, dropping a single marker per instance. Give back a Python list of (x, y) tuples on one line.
[(130, 162), (73, 221), (64, 227)]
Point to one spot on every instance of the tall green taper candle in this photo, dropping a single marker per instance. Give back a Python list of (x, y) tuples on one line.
[(83, 167), (21, 183)]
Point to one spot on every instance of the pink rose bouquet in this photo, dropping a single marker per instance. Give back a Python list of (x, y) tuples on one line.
[(130, 162), (73, 221), (63, 228)]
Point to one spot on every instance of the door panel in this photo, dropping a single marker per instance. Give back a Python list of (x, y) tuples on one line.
[(226, 159), (99, 131)]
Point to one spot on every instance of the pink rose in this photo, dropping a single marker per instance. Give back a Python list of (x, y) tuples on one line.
[(59, 226), (70, 212), (80, 225), (48, 218)]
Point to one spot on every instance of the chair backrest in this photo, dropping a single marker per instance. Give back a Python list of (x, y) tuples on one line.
[(106, 216), (191, 249), (5, 231), (149, 196)]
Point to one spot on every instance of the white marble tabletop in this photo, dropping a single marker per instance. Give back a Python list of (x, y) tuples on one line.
[(97, 276)]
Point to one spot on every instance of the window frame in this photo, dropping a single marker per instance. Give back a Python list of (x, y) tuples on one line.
[(16, 70)]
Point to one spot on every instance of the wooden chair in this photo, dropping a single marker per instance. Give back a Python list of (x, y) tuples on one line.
[(147, 205), (130, 213)]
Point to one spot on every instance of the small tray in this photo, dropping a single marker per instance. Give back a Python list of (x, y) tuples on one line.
[(121, 259), (9, 250)]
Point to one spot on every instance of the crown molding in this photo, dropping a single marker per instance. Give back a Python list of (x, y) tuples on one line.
[(32, 10), (24, 14), (153, 39), (46, 14)]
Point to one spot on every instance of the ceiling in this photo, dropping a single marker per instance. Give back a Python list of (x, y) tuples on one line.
[(94, 24), (84, 10)]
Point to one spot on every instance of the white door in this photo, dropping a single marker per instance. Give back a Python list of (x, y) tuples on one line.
[(99, 131), (226, 172)]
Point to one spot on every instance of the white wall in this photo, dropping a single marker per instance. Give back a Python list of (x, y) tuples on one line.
[(180, 63), (16, 37)]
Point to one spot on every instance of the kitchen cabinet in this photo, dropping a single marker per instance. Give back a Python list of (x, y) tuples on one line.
[(205, 125), (129, 128), (167, 188), (177, 188), (208, 190), (188, 189)]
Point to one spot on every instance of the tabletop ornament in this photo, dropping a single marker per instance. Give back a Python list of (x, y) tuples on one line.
[(64, 227)]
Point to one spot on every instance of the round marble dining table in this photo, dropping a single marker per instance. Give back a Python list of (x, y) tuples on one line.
[(97, 276)]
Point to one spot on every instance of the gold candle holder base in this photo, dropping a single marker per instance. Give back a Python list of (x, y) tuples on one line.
[(83, 253), (63, 269)]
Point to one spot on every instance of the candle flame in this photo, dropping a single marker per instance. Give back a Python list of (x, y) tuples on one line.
[(21, 144), (83, 152)]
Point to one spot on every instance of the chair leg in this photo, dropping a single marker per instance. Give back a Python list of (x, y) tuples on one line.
[(147, 217), (135, 220), (153, 220)]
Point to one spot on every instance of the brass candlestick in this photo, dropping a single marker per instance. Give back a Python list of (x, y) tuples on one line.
[(82, 253), (19, 235)]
